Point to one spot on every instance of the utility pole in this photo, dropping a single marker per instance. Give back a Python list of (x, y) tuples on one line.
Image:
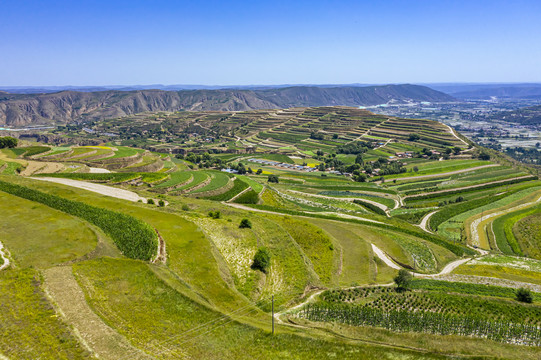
[(272, 314)]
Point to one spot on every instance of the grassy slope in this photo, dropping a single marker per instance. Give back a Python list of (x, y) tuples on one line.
[(144, 309), (527, 231), (30, 328), (62, 237)]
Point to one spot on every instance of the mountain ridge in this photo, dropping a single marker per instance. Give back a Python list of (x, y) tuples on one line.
[(68, 106)]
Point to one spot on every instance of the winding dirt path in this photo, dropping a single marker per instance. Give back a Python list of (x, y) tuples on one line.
[(474, 226), (383, 257), (453, 132), (424, 222), (99, 338), (381, 206), (4, 257), (97, 188), (247, 208), (161, 254), (445, 271)]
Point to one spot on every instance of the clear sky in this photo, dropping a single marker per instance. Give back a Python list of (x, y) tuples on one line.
[(83, 42)]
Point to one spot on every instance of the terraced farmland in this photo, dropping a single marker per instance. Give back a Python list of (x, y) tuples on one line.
[(196, 274)]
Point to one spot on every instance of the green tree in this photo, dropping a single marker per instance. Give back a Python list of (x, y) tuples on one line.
[(402, 280), (259, 171), (524, 295), (245, 224), (261, 260)]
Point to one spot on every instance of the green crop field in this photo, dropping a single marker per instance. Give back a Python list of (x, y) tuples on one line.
[(219, 180), (176, 178)]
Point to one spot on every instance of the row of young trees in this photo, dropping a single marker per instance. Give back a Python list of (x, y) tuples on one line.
[(425, 322)]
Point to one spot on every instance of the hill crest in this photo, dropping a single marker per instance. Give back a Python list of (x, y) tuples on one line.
[(69, 106)]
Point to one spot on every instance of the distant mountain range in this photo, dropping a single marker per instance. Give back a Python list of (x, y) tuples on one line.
[(487, 91), (68, 106)]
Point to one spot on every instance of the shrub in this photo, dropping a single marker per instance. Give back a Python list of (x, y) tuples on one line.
[(261, 260), (273, 179), (524, 295), (161, 203), (150, 201), (185, 207), (245, 224), (215, 214)]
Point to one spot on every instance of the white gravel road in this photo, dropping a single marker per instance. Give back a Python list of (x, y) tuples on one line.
[(387, 260), (95, 170), (97, 188)]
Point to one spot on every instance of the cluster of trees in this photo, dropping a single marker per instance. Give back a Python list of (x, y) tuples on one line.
[(8, 142), (393, 167), (528, 156), (204, 160), (357, 147), (240, 168), (317, 136)]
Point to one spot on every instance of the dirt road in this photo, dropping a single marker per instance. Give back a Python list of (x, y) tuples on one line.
[(424, 221), (98, 337), (390, 263), (97, 188), (4, 257), (381, 206), (387, 260), (474, 226), (452, 131)]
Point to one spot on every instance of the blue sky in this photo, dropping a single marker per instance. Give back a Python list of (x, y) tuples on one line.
[(82, 42)]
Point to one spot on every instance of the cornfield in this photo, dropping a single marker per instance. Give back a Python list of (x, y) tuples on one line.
[(136, 239)]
